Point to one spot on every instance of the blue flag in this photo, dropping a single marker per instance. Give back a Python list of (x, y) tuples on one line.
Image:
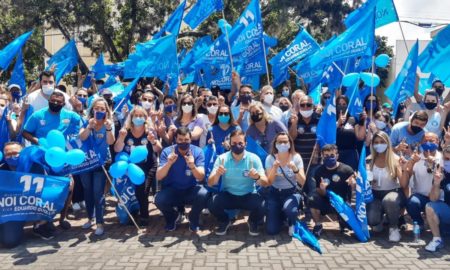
[(385, 13), (202, 10), (302, 233), (252, 30), (173, 24), (255, 148), (199, 49), (358, 40), (123, 98), (315, 94), (302, 45), (311, 77), (326, 129), (363, 193), (403, 86), (99, 67), (355, 103), (18, 74), (31, 197), (12, 49), (4, 129), (67, 51), (64, 67), (127, 192), (435, 51)]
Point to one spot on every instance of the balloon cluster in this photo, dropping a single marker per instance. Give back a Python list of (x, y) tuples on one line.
[(126, 165), (55, 151), (369, 79)]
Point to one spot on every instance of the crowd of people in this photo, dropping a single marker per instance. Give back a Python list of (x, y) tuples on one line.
[(408, 160)]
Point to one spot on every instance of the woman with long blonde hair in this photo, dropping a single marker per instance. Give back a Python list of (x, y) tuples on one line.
[(385, 174)]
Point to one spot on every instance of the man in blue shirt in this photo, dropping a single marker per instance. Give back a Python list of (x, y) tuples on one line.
[(406, 136), (240, 171), (181, 168), (53, 117)]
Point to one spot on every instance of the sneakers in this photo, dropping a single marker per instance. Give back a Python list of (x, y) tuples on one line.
[(76, 207), (172, 226), (180, 218), (100, 230), (252, 228), (222, 229), (317, 230), (291, 230), (343, 227), (65, 225), (193, 228), (402, 223), (206, 211), (378, 228), (434, 245), (43, 232), (394, 235), (87, 225)]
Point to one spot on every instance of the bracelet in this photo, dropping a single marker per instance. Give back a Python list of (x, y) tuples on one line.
[(296, 171), (109, 129), (259, 176)]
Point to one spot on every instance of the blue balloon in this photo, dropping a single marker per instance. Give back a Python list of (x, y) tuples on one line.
[(138, 154), (75, 157), (350, 79), (43, 142), (55, 138), (55, 157), (118, 169), (382, 60), (136, 174), (122, 156), (366, 77), (1, 156)]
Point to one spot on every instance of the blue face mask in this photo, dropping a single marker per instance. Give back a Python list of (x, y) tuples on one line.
[(429, 146), (12, 161), (16, 95), (170, 108), (224, 119), (447, 166), (330, 162), (138, 121), (82, 100), (100, 115)]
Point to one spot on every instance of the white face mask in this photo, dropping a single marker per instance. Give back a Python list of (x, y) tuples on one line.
[(285, 92), (282, 147), (186, 108), (147, 105), (380, 148), (268, 99), (213, 109), (306, 114), (48, 89), (380, 124)]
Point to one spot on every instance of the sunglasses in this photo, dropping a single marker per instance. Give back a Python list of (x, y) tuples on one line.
[(326, 97), (224, 114), (147, 99), (212, 104), (306, 105), (187, 103)]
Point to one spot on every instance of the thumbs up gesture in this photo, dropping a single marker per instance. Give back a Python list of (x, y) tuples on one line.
[(221, 170), (252, 173)]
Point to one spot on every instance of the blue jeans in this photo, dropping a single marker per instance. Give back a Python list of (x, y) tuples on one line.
[(442, 211), (281, 204), (415, 206), (94, 194), (222, 201), (11, 233), (169, 198)]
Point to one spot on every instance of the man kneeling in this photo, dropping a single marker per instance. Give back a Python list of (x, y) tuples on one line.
[(240, 171)]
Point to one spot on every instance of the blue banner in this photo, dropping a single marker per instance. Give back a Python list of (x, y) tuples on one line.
[(31, 197), (435, 51), (326, 128), (12, 49), (363, 193), (4, 129), (92, 161), (202, 10), (67, 51), (385, 13), (127, 193), (99, 67), (173, 24)]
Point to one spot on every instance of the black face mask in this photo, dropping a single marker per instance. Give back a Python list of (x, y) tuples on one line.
[(245, 98), (256, 117), (439, 91), (56, 108), (416, 129), (110, 102), (430, 105), (284, 107), (340, 108)]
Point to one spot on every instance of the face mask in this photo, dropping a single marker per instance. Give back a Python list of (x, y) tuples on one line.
[(416, 129), (100, 115), (268, 99), (12, 161), (82, 100), (330, 162), (183, 146), (186, 108), (283, 147), (380, 148), (56, 108), (340, 108), (146, 105), (380, 124), (237, 149), (284, 107), (256, 117), (439, 90), (48, 89), (371, 105), (285, 93), (429, 146), (306, 114), (224, 119), (109, 101), (138, 121), (16, 95), (430, 105), (246, 99), (170, 108), (213, 109), (447, 166)]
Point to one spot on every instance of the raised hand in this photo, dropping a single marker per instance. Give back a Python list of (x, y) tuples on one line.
[(252, 173), (189, 158), (323, 184), (122, 133), (221, 169), (172, 158)]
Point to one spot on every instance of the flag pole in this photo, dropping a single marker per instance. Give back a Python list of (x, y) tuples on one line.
[(265, 60), (403, 35), (338, 68), (371, 85), (228, 42)]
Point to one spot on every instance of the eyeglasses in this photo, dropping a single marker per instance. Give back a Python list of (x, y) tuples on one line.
[(224, 114), (147, 99), (187, 103), (306, 105), (212, 104)]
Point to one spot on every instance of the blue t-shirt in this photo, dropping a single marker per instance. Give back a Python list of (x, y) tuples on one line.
[(42, 121), (99, 143), (220, 136), (400, 132), (179, 175), (236, 180)]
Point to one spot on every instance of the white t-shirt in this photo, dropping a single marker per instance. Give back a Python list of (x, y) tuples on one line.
[(383, 181), (206, 126), (274, 112), (280, 180), (38, 101), (421, 181)]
